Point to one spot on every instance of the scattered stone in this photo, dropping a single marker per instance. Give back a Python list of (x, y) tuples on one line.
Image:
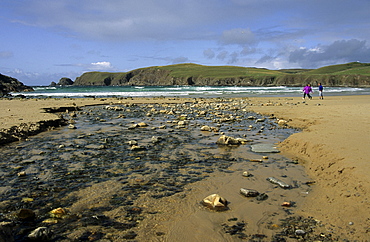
[(255, 160), (72, 126), (249, 192), (27, 199), (41, 234), (282, 184), (50, 221), (142, 124), (247, 174), (26, 214), (156, 139), (115, 108), (226, 140), (264, 148), (282, 122), (215, 202), (137, 148), (286, 204), (300, 232), (133, 126), (22, 174), (205, 128), (58, 213), (132, 142)]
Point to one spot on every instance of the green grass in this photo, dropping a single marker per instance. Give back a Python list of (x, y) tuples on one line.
[(352, 68), (194, 70)]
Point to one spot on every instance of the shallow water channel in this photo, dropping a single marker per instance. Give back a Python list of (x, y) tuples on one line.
[(118, 181)]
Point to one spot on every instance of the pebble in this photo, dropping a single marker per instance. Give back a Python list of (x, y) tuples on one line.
[(300, 232), (22, 174), (247, 174)]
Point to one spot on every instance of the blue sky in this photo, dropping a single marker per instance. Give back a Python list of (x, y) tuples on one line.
[(45, 40)]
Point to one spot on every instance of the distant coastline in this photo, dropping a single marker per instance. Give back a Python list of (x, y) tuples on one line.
[(352, 74)]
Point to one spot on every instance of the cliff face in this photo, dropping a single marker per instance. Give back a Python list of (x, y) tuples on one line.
[(163, 78), (170, 75), (10, 84)]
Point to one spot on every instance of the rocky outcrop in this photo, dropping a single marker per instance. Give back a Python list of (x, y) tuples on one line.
[(24, 130), (64, 81), (10, 84)]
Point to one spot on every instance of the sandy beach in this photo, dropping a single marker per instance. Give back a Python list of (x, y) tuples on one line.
[(333, 147)]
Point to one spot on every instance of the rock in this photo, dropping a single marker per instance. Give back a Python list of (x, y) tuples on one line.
[(115, 108), (137, 148), (21, 174), (65, 81), (71, 126), (40, 234), (286, 204), (226, 140), (282, 122), (26, 214), (142, 124), (249, 192), (255, 160), (6, 231), (215, 202), (156, 139), (205, 128), (133, 126), (58, 213), (132, 142), (282, 184), (264, 148), (247, 174), (300, 232), (182, 123)]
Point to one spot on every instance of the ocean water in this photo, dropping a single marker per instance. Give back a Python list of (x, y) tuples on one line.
[(182, 91)]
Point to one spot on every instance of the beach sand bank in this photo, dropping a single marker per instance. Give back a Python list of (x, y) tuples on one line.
[(333, 146)]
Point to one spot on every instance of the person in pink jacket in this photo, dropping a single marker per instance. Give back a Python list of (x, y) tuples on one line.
[(306, 91)]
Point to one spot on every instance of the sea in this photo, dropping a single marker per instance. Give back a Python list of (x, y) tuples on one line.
[(181, 91)]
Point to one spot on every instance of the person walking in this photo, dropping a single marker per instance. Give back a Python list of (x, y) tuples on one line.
[(306, 91), (321, 88)]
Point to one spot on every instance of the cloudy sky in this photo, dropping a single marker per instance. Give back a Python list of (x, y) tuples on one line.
[(44, 40)]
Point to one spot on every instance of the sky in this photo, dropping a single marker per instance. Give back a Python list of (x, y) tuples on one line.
[(45, 40)]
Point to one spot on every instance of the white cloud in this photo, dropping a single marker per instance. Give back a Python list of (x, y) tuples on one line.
[(103, 65)]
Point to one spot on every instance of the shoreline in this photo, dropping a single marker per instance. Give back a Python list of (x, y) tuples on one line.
[(332, 147)]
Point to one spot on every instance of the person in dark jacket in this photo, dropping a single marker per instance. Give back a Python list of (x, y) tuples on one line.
[(321, 89)]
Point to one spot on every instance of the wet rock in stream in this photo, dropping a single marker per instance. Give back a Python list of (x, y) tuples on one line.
[(135, 151)]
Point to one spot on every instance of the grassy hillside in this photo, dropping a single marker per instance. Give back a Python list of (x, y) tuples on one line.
[(352, 68), (194, 70)]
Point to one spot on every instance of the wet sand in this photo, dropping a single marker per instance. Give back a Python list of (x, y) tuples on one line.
[(333, 147)]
